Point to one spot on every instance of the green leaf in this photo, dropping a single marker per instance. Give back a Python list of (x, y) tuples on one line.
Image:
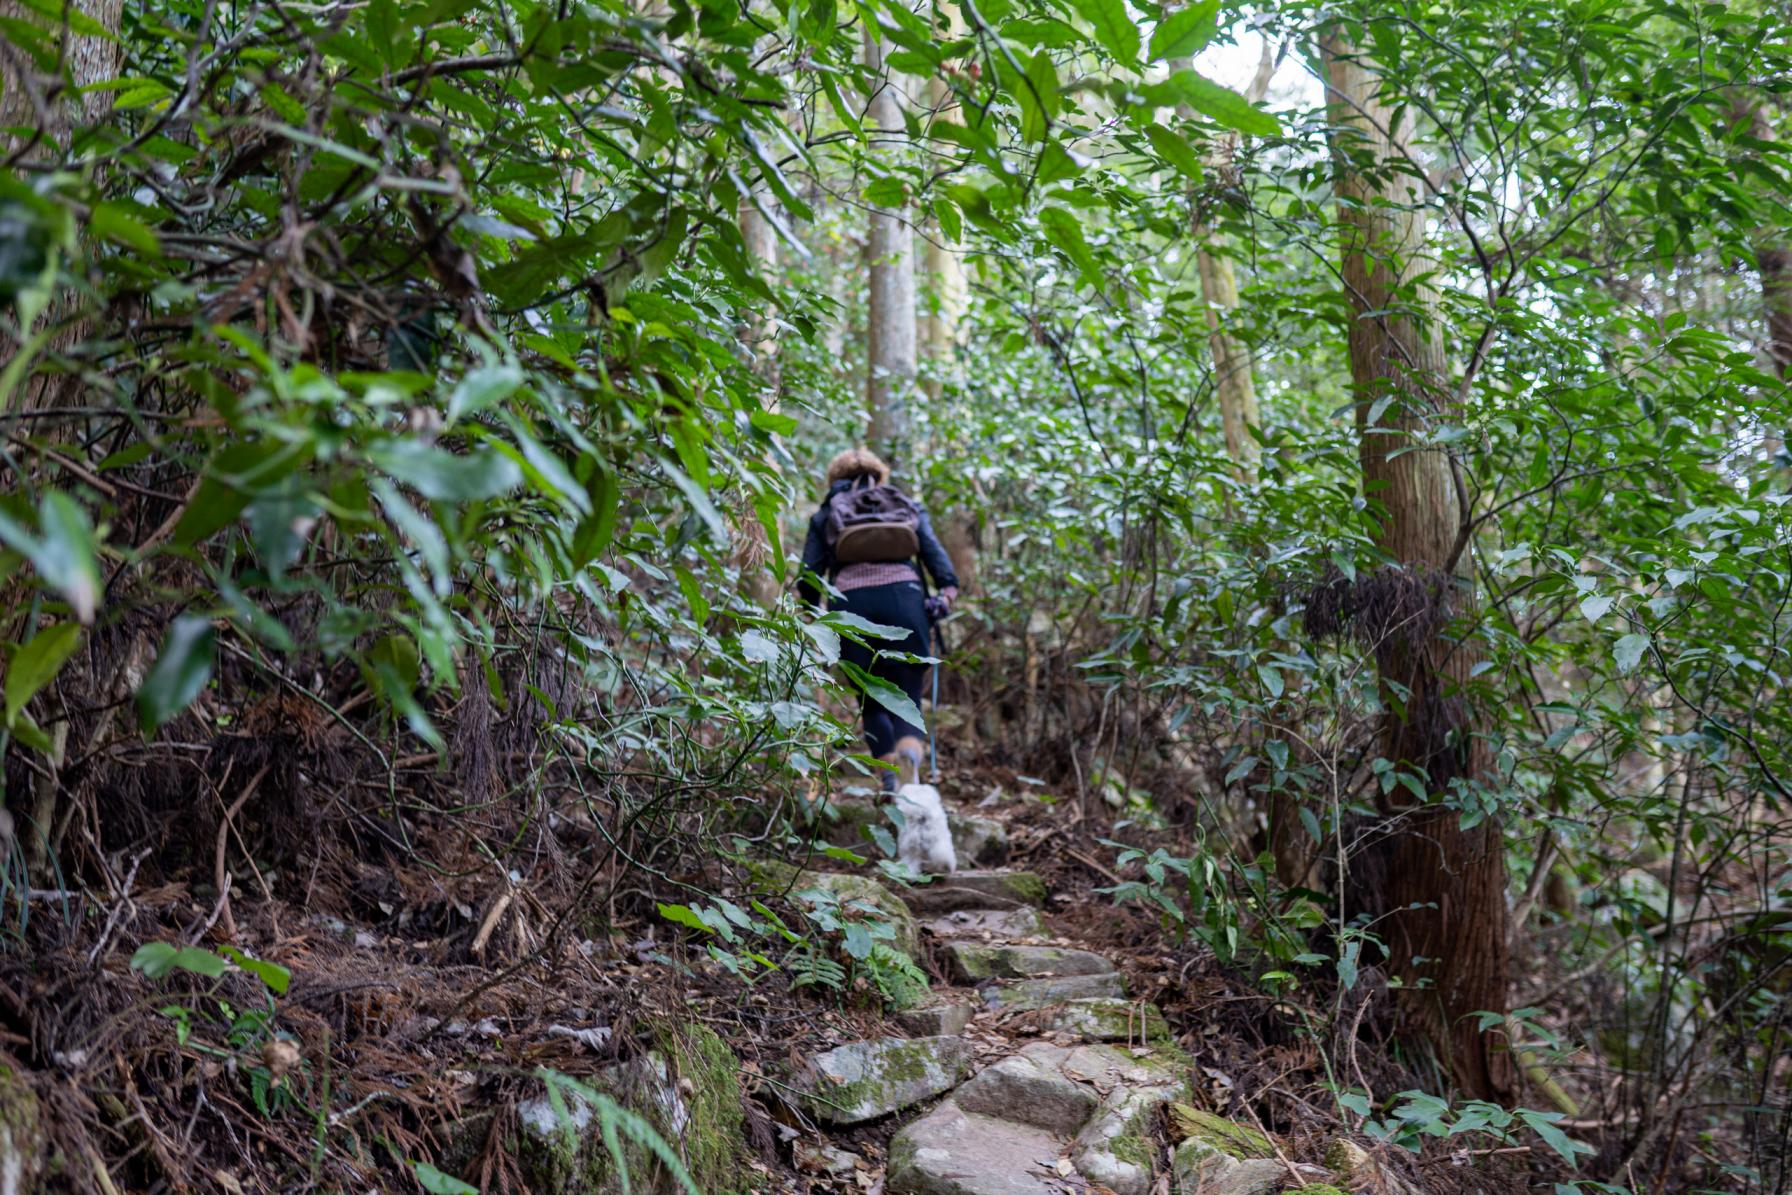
[(773, 423), (154, 959), (1271, 678), (37, 663), (1593, 608), (1037, 92), (683, 915), (1210, 99), (157, 959), (111, 221), (63, 551), (885, 694), (1173, 149), (444, 477), (180, 672), (1553, 1137), (1064, 231), (1184, 33), (437, 1183), (1628, 651), (1114, 28), (483, 388), (277, 978)]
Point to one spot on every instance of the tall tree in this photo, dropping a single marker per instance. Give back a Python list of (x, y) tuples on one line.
[(1442, 888), (891, 331)]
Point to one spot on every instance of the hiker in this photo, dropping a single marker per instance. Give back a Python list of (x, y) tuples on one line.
[(866, 539)]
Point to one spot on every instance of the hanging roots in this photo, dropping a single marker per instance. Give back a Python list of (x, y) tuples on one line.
[(1390, 607)]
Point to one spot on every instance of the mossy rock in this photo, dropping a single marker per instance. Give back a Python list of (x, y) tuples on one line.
[(864, 1080), (781, 878), (21, 1136), (1224, 1136), (687, 1089), (1317, 1189)]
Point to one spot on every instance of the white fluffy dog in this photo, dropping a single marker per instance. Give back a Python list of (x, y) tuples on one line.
[(925, 842)]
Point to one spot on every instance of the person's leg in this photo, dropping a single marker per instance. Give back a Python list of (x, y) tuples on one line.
[(904, 606)]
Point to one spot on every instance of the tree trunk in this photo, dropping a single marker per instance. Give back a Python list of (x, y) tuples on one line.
[(890, 340), (46, 105), (760, 336), (1231, 359), (1455, 942), (41, 102)]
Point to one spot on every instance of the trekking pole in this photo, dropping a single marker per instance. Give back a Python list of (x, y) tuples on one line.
[(933, 750)]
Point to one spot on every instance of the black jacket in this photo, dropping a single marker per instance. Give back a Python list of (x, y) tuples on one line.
[(818, 558)]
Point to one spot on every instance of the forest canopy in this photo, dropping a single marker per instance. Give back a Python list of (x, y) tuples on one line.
[(1358, 432)]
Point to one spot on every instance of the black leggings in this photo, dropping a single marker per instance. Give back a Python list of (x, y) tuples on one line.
[(899, 605)]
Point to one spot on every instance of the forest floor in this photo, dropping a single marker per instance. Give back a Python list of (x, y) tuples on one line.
[(412, 1035)]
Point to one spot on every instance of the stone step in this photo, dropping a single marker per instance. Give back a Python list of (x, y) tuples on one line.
[(1048, 1119), (864, 1080), (1003, 924), (938, 899), (1024, 887), (977, 889), (938, 1018), (1042, 993), (1103, 1018), (953, 1152), (973, 962)]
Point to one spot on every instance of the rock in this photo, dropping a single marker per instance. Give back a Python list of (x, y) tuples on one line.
[(1030, 1092), (1106, 1019), (687, 1088), (847, 889), (943, 1018), (863, 1080), (1359, 1170), (1022, 887), (1198, 1170), (1117, 1149), (1007, 924), (1222, 1157), (1108, 1067), (953, 1152), (22, 1146), (853, 816), (972, 962), (933, 900), (821, 1158), (978, 841), (1040, 993), (1227, 1136)]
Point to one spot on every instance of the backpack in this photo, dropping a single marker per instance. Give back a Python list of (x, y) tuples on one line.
[(872, 523)]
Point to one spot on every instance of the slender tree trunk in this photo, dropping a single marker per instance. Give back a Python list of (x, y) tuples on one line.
[(1443, 888), (47, 106), (760, 336), (940, 341), (890, 367), (1773, 260)]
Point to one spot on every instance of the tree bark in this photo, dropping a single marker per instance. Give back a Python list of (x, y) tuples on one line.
[(1455, 941), (760, 337), (42, 102), (890, 367)]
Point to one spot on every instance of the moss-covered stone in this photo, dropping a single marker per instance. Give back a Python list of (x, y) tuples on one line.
[(880, 903), (863, 1080), (1317, 1189), (1226, 1136), (687, 1088), (21, 1136)]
